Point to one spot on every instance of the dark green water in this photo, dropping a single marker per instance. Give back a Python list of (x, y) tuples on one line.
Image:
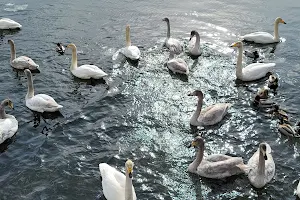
[(145, 113)]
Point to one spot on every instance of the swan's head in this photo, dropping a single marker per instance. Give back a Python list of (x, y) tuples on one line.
[(71, 46), (197, 93), (8, 102), (263, 150), (129, 167), (237, 44), (263, 93), (166, 20), (273, 79), (11, 42), (127, 28), (279, 20), (198, 142), (192, 34)]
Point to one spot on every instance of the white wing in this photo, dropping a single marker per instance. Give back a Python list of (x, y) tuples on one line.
[(88, 71), (113, 183), (24, 62), (214, 113), (174, 45), (42, 103), (259, 37), (178, 66), (6, 23), (8, 127), (257, 70), (132, 52)]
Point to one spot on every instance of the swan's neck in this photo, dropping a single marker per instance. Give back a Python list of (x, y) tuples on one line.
[(128, 188), (74, 60), (276, 35), (2, 112), (128, 41), (12, 51), (198, 110), (197, 44), (171, 56), (168, 32), (239, 70), (261, 165), (30, 92), (199, 156)]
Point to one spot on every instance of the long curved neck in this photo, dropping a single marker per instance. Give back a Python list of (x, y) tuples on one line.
[(12, 51), (276, 35), (261, 164), (197, 44), (128, 188), (239, 70), (128, 41), (2, 111), (74, 59), (30, 91), (168, 32), (199, 156)]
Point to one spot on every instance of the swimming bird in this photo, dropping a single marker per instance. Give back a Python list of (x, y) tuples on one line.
[(273, 82), (216, 166), (130, 51), (39, 102), (280, 114), (8, 123), (6, 23), (60, 48), (288, 130), (210, 115), (253, 71), (84, 71), (116, 185), (260, 99), (171, 43), (177, 65), (264, 37), (260, 167), (253, 54), (194, 44), (21, 62)]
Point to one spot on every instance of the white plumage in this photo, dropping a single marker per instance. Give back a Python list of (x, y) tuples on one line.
[(6, 23)]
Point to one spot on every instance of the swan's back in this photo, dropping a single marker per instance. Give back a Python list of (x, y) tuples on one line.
[(259, 37), (8, 127), (178, 65), (113, 183), (24, 62), (88, 71), (257, 70), (42, 103), (219, 166), (6, 23), (132, 52), (174, 45), (214, 113)]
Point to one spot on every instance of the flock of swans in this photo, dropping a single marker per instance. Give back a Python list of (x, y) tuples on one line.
[(260, 168)]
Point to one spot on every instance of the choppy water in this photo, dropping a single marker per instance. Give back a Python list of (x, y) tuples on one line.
[(145, 113)]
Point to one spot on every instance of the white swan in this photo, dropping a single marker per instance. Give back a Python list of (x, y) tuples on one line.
[(8, 123), (40, 102), (21, 62), (116, 185), (171, 43), (260, 167), (84, 71), (216, 166), (177, 65), (210, 115), (253, 71), (6, 23), (298, 190), (264, 37), (194, 44), (130, 51)]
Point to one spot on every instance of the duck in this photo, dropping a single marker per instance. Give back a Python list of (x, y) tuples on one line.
[(264, 37), (60, 48), (39, 102), (253, 71), (21, 62), (177, 65), (8, 123), (194, 44), (171, 43), (253, 54), (84, 71), (260, 99), (279, 113), (216, 166), (288, 130), (272, 82), (210, 115), (130, 51), (260, 167), (116, 185), (6, 23)]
